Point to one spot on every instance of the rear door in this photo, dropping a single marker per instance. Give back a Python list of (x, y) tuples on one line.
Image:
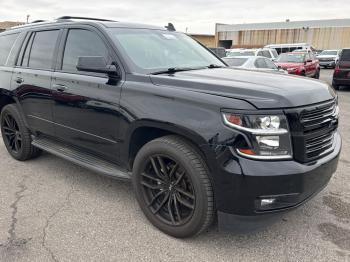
[(309, 67), (86, 108), (32, 78)]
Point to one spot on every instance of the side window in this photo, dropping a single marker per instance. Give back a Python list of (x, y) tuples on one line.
[(260, 63), (42, 49), (6, 43), (269, 64), (82, 42), (260, 53)]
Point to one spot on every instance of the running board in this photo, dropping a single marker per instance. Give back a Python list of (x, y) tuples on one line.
[(81, 158)]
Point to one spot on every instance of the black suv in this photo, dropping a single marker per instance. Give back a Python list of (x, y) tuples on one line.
[(197, 139), (341, 75)]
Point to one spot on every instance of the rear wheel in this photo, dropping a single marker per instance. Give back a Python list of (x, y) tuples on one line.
[(173, 188), (16, 136)]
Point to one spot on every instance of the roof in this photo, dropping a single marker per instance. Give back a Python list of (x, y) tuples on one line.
[(284, 25)]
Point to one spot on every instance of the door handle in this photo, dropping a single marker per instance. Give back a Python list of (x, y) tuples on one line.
[(60, 87), (19, 80)]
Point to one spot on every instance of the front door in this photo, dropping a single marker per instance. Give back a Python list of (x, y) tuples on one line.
[(86, 108)]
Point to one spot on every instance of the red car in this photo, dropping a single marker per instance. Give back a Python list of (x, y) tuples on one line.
[(299, 63)]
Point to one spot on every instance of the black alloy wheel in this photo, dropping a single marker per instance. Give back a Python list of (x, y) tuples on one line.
[(12, 134), (15, 134), (172, 186), (168, 190)]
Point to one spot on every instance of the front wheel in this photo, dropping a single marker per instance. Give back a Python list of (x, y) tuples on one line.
[(172, 186), (336, 86)]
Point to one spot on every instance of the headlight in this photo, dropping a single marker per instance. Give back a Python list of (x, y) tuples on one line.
[(267, 136)]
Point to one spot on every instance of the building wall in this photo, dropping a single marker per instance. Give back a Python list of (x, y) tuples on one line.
[(207, 40), (322, 34), (320, 38)]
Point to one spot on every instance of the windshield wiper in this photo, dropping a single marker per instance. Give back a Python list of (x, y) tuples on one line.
[(172, 70), (214, 66)]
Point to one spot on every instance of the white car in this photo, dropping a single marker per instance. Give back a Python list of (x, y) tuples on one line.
[(257, 63), (329, 58), (265, 52), (287, 48)]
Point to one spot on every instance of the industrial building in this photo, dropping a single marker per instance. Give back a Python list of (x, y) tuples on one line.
[(321, 34), (205, 39), (8, 24)]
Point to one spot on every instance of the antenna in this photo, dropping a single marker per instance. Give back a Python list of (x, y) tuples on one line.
[(170, 27)]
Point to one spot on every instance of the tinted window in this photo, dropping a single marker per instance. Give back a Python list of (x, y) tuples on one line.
[(82, 43), (6, 43), (42, 51), (260, 53)]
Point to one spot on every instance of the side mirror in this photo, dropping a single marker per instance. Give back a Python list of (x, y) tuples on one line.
[(96, 64)]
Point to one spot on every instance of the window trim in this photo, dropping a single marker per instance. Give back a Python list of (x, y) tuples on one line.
[(62, 47), (28, 42)]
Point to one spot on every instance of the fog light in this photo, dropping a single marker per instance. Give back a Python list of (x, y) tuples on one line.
[(267, 202)]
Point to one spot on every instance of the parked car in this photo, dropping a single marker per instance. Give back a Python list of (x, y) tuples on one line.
[(258, 63), (219, 51), (287, 48), (341, 75), (266, 52), (299, 63), (328, 58), (151, 105)]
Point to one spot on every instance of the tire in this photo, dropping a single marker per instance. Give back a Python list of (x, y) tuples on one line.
[(317, 74), (303, 73), (198, 213), (16, 135), (335, 86)]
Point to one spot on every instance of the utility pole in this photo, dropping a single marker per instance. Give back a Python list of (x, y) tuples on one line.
[(28, 18)]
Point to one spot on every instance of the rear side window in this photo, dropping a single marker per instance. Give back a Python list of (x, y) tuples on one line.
[(6, 43), (40, 50), (82, 42)]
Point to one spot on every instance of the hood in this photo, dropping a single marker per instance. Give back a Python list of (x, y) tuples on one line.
[(263, 90), (289, 65), (326, 56)]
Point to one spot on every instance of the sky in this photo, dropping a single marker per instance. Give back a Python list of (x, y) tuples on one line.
[(195, 16)]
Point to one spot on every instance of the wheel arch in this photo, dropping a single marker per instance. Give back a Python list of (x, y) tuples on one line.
[(144, 131)]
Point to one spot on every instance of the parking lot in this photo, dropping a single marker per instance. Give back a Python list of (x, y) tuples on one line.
[(52, 210)]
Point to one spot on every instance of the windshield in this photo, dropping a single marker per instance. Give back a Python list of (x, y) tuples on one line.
[(235, 61), (241, 53), (292, 58), (152, 50), (329, 52)]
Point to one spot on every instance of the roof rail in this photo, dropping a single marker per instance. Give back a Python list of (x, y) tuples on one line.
[(83, 18)]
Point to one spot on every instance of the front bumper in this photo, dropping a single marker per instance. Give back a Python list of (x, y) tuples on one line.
[(243, 183), (327, 63)]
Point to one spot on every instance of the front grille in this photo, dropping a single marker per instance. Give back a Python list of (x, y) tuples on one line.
[(312, 130)]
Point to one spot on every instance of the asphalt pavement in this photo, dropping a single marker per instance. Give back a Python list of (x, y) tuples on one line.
[(52, 210)]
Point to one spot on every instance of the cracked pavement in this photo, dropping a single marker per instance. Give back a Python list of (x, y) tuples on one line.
[(52, 210)]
